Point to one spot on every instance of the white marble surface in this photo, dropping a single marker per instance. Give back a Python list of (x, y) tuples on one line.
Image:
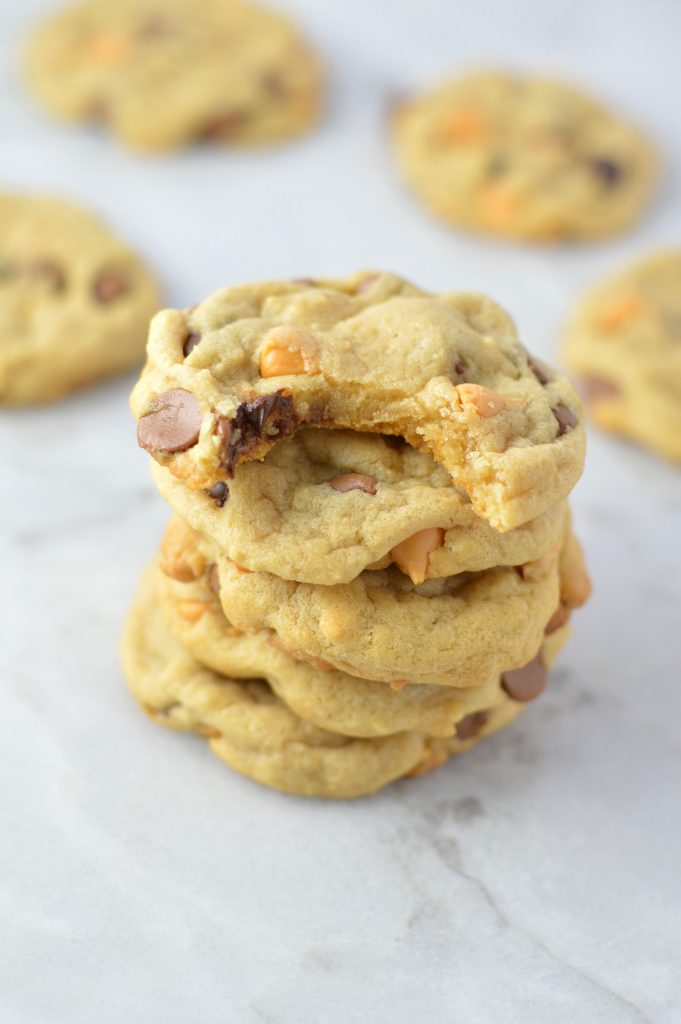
[(535, 880)]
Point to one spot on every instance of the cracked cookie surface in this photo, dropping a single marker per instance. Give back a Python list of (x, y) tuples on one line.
[(251, 729), (522, 156), (75, 302), (161, 74), (624, 343), (252, 364)]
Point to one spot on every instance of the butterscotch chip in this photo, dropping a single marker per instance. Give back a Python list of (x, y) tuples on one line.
[(621, 310), (485, 402), (411, 555), (193, 610), (287, 350), (180, 557)]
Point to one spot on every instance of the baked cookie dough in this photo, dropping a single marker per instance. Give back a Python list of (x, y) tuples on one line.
[(252, 364), (458, 631), (251, 729), (75, 302), (318, 693), (326, 504), (524, 157), (161, 74), (624, 343)]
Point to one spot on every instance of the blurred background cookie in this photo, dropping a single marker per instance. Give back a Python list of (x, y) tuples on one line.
[(624, 343), (75, 302), (166, 73), (522, 156)]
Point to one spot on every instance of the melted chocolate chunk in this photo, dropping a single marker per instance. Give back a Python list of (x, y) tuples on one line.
[(219, 492), (395, 441), (268, 416), (608, 171), (537, 371), (190, 342), (565, 418)]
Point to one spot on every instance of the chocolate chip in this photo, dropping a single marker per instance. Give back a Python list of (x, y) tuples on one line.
[(366, 283), (172, 424), (596, 388), (566, 418), (224, 126), (537, 371), (190, 342), (47, 272), (471, 725), (100, 108), (354, 482), (155, 27), (274, 85), (219, 492), (607, 170), (560, 618), (496, 166), (525, 683), (460, 367), (268, 416), (110, 285)]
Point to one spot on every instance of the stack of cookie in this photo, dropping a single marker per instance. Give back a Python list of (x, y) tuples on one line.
[(335, 608)]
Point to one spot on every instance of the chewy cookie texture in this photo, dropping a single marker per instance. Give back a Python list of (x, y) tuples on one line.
[(624, 344), (162, 74), (372, 564), (523, 157), (251, 365), (75, 302)]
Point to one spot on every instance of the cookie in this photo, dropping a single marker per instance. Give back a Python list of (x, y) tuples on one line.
[(252, 364), (75, 302), (522, 157), (457, 631), (162, 74), (318, 693), (251, 729), (624, 343), (326, 504)]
